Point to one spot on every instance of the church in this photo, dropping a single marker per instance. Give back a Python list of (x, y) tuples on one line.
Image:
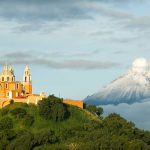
[(18, 91), (21, 91), (10, 88)]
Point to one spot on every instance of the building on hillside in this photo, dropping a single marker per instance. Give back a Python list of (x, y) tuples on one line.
[(21, 91), (10, 88)]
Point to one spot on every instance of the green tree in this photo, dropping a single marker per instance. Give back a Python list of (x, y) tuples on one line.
[(91, 108), (23, 141), (5, 137), (28, 120), (4, 111), (53, 108), (46, 137), (137, 145), (58, 112), (99, 111), (6, 123), (18, 112), (95, 110)]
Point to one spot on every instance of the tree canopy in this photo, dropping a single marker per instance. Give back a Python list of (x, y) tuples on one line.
[(53, 108), (56, 126)]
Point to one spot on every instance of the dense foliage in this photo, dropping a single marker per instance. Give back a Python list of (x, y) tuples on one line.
[(18, 112), (95, 110), (28, 120), (6, 123), (44, 127), (53, 108)]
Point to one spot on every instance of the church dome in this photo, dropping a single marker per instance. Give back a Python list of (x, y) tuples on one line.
[(7, 70), (7, 74)]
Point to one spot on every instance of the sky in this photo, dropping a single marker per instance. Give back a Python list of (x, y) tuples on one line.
[(73, 47)]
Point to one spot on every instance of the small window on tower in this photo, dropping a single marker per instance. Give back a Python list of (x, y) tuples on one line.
[(7, 78), (17, 86), (25, 79), (6, 85), (2, 78)]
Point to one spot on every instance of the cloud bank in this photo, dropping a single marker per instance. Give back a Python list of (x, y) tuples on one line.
[(57, 60), (138, 113), (33, 15)]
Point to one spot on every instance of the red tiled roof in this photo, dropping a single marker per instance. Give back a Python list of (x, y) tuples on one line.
[(20, 96)]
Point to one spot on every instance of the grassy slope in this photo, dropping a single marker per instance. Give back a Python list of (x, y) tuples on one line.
[(77, 117), (115, 129)]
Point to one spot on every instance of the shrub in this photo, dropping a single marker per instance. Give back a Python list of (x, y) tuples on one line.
[(24, 105), (91, 108), (11, 101), (23, 141), (4, 111), (18, 112), (6, 123), (137, 145), (6, 136), (26, 140), (46, 137), (99, 111), (59, 112), (95, 110), (53, 108), (28, 120)]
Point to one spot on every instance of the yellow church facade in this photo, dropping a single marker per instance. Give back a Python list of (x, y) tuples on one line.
[(10, 88), (21, 91), (18, 91)]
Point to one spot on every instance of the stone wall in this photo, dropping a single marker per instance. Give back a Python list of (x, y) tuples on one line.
[(34, 99), (78, 103)]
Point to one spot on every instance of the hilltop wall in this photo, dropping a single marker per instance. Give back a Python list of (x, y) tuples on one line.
[(78, 103), (33, 99)]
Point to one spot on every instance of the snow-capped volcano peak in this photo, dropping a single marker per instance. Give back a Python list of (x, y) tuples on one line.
[(129, 88), (140, 65)]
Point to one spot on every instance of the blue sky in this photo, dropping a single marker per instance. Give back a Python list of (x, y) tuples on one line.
[(73, 47)]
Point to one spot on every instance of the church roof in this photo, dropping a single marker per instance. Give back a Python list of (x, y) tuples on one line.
[(7, 70)]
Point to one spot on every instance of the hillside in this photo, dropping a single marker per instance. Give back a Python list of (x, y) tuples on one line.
[(27, 129)]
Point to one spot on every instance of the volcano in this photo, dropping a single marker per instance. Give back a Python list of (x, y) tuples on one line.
[(132, 87)]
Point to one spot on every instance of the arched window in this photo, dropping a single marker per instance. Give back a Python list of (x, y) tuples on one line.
[(7, 78), (12, 79), (2, 78), (25, 79)]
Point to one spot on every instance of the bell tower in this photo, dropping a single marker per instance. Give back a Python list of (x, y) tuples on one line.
[(27, 75), (27, 81)]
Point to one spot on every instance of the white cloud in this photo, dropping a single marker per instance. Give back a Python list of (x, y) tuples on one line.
[(138, 113)]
